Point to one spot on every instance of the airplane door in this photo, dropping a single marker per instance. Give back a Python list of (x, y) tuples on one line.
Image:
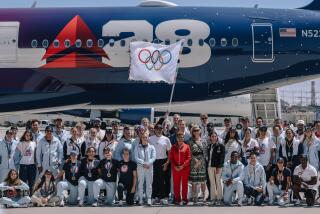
[(262, 38), (8, 41)]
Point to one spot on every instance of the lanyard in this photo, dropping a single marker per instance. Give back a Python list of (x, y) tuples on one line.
[(74, 168)]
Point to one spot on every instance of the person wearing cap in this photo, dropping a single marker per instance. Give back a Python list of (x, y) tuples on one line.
[(91, 141), (37, 135), (71, 144), (180, 157), (311, 146), (108, 172), (161, 173), (248, 145), (108, 141), (254, 181), (291, 149), (215, 158), (246, 125), (97, 125), (126, 141), (58, 131), (227, 126), (115, 129), (279, 184), (7, 149), (232, 143), (89, 174), (145, 155), (45, 191), (304, 180), (300, 129), (203, 125), (198, 162), (24, 158), (71, 173), (49, 153), (231, 177), (267, 151)]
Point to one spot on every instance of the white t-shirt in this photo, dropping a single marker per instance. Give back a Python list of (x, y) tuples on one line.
[(265, 146), (306, 174), (27, 152), (162, 144)]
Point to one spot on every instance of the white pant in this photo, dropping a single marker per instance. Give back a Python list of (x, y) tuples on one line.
[(83, 185), (215, 183), (23, 201), (145, 175), (109, 186), (273, 190), (229, 190), (64, 186)]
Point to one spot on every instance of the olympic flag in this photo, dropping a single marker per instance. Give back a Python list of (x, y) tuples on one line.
[(154, 62)]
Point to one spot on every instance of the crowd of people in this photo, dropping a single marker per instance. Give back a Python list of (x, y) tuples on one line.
[(162, 163)]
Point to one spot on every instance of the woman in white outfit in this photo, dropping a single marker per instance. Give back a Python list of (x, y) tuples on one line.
[(108, 141), (311, 147)]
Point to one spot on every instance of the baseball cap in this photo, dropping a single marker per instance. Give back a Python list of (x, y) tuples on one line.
[(74, 152), (97, 119), (300, 122), (49, 128), (263, 128), (158, 126), (108, 130)]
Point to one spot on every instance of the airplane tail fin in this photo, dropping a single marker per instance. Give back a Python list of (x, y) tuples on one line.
[(314, 5)]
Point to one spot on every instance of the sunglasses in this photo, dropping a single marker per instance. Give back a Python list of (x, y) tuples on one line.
[(204, 118)]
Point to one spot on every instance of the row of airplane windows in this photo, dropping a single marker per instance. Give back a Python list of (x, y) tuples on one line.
[(100, 43)]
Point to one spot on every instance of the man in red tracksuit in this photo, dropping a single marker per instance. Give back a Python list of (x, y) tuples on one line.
[(180, 157)]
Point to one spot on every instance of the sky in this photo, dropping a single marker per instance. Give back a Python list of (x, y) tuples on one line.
[(305, 86)]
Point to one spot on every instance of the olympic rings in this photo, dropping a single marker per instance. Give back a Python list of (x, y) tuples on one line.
[(155, 60)]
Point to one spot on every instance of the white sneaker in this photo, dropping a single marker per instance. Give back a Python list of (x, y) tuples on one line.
[(120, 203), (61, 203), (149, 202), (141, 203), (164, 202), (95, 204), (80, 204), (250, 201)]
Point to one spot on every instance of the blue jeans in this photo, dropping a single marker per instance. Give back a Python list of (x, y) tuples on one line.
[(27, 174)]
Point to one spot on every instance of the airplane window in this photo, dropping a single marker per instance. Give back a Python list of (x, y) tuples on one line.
[(122, 42), (34, 43), (111, 42), (212, 42), (167, 42), (235, 42), (189, 42), (78, 43), (89, 43), (201, 42), (45, 43), (224, 42), (67, 43), (157, 41), (100, 43), (145, 40), (56, 43)]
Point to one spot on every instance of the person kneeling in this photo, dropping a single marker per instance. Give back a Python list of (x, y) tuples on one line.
[(304, 180), (279, 184), (72, 173), (45, 191), (15, 192), (231, 176), (108, 172), (254, 181)]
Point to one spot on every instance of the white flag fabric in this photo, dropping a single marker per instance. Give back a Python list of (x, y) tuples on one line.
[(154, 62)]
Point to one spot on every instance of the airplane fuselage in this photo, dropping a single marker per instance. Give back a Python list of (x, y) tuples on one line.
[(81, 55)]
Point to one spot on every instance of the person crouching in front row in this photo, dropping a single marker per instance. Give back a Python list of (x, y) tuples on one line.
[(108, 177), (71, 171), (45, 191), (254, 181), (231, 176), (89, 174), (180, 157), (145, 155), (15, 192)]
